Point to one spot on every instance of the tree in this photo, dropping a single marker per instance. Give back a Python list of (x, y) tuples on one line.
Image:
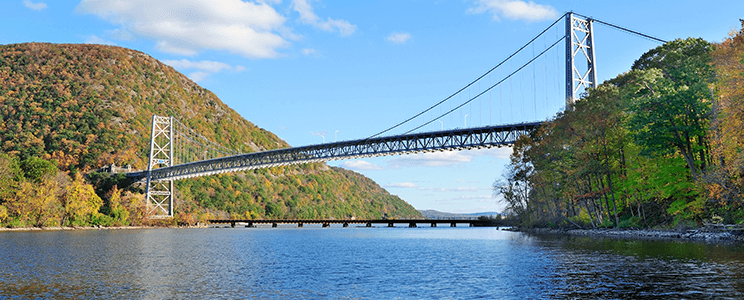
[(80, 202), (725, 183), (36, 169), (669, 88)]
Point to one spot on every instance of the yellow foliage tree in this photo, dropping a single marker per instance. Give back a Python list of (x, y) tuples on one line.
[(36, 203), (80, 202), (116, 210)]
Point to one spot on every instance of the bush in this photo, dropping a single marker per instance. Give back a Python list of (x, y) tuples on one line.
[(101, 220), (630, 222)]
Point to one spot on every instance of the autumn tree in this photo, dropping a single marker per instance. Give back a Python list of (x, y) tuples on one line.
[(80, 202), (725, 183)]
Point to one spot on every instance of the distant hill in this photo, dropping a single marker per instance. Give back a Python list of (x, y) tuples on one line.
[(434, 214), (85, 106)]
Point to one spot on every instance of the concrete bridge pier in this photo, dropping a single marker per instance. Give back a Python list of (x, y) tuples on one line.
[(299, 225), (274, 225), (346, 224), (433, 224), (411, 225), (391, 225), (453, 224)]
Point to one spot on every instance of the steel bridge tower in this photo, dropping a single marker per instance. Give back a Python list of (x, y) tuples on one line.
[(160, 193), (579, 42)]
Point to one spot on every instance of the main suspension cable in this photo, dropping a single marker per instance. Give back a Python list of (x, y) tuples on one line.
[(471, 83), (624, 29), (491, 87)]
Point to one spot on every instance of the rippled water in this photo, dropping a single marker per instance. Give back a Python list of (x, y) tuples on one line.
[(359, 263)]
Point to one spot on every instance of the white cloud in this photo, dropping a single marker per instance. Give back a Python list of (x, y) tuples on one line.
[(120, 34), (408, 185), (399, 37), (498, 153), (198, 76), (309, 51), (253, 30), (97, 40), (515, 10), (204, 65), (164, 46), (360, 165), (34, 6), (434, 159), (307, 16), (204, 68)]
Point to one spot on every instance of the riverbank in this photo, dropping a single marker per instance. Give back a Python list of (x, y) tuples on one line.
[(699, 234)]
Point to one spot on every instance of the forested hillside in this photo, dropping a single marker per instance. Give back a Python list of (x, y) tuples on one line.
[(69, 109), (661, 145)]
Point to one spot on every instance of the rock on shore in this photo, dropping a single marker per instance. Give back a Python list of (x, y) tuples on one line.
[(694, 234)]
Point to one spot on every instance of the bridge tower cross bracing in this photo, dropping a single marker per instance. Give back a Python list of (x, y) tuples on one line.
[(160, 193), (579, 42)]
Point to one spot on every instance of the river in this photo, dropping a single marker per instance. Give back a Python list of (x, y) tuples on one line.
[(359, 263)]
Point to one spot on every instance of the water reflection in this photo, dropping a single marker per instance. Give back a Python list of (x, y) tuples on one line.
[(646, 269), (359, 263)]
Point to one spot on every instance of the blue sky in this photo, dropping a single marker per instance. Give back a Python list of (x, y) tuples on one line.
[(320, 70)]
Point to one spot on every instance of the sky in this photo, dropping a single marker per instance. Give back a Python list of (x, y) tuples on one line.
[(314, 71)]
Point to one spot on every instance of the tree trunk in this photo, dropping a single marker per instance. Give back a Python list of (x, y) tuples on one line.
[(588, 212), (614, 205), (600, 185)]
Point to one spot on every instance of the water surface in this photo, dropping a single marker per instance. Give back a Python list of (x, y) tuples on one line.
[(359, 263)]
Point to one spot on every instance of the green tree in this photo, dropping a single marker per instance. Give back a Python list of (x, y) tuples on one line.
[(37, 169), (670, 94)]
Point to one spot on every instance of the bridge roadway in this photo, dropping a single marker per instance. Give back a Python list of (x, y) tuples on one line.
[(366, 222), (451, 140)]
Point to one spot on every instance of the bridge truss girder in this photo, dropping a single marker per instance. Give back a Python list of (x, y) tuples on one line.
[(451, 140)]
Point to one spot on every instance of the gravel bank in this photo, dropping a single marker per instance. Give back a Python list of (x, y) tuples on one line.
[(691, 235)]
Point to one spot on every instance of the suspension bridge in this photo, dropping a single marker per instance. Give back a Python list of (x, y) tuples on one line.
[(178, 152)]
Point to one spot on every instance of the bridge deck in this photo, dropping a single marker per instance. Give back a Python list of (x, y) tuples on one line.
[(450, 140)]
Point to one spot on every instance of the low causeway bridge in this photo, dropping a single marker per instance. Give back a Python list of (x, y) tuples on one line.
[(345, 223)]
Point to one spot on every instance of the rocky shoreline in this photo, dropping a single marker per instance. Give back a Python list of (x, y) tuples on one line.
[(699, 234)]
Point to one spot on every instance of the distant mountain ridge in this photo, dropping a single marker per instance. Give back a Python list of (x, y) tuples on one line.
[(434, 214)]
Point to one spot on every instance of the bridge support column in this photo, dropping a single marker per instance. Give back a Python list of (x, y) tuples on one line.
[(369, 224), (453, 224), (326, 225), (346, 224), (433, 224), (274, 225), (391, 225), (159, 193), (232, 224), (579, 42), (299, 225), (411, 225)]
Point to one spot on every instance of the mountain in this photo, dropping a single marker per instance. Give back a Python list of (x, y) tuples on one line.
[(83, 106)]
